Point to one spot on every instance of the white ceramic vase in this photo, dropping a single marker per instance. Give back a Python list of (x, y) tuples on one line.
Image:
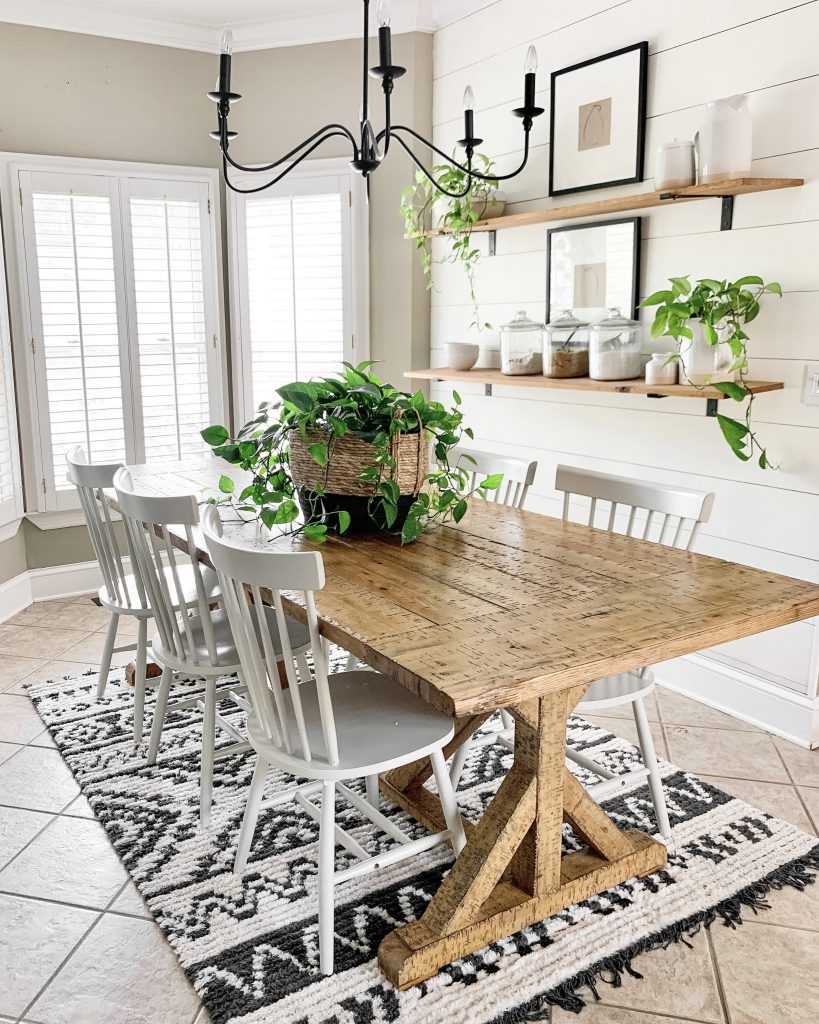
[(702, 363)]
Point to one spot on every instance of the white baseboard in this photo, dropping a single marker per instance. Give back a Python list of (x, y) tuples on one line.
[(15, 595), (64, 580), (748, 697)]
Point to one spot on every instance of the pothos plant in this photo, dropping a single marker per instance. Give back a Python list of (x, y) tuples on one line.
[(354, 402), (460, 216), (723, 308)]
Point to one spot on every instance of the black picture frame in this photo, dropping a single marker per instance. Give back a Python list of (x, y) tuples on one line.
[(641, 119), (635, 282)]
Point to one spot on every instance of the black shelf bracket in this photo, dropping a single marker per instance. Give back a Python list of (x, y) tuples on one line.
[(487, 390), (711, 405), (493, 243), (726, 220)]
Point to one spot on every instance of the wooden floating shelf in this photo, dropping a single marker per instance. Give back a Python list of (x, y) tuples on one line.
[(492, 378), (724, 190)]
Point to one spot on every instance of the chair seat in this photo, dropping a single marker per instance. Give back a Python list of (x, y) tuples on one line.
[(379, 724), (130, 603), (620, 689), (227, 658)]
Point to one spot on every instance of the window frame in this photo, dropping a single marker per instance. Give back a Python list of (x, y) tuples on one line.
[(42, 501), (355, 236), (11, 510)]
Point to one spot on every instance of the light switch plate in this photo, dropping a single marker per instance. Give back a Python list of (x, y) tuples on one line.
[(810, 393)]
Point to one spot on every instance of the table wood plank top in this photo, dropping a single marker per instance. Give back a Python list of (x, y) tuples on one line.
[(511, 605)]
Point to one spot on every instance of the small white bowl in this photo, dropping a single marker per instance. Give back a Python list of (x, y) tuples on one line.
[(461, 356)]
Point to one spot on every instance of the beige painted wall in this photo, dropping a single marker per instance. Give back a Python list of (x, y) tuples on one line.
[(87, 96)]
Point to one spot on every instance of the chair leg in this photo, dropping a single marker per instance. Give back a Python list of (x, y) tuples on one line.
[(208, 740), (251, 815), (326, 872), (458, 762), (160, 709), (304, 668), (372, 790), (107, 651), (139, 680), (508, 721), (352, 663), (655, 783), (449, 802)]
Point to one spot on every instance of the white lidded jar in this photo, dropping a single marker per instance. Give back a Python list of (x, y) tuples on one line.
[(725, 139), (521, 346), (615, 352), (674, 165), (566, 347), (659, 370)]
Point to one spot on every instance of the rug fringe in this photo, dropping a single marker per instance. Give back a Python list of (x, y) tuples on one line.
[(798, 874)]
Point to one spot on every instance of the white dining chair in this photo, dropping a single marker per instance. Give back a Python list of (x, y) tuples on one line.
[(659, 513), (329, 730), (193, 638), (122, 592)]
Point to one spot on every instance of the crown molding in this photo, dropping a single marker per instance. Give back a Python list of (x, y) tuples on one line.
[(297, 23)]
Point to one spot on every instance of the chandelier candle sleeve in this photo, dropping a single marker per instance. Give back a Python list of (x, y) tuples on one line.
[(530, 70), (383, 17), (469, 113), (226, 50)]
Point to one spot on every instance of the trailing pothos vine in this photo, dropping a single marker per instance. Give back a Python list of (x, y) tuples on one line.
[(461, 215), (724, 308), (357, 403)]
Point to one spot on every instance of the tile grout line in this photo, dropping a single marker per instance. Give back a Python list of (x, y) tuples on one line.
[(795, 786), (723, 999), (655, 1013), (72, 951)]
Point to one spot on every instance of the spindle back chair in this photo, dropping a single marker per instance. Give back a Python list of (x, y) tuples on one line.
[(122, 591), (362, 725), (518, 474)]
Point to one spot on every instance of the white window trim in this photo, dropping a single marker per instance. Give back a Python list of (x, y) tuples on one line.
[(21, 327), (357, 347), (10, 516)]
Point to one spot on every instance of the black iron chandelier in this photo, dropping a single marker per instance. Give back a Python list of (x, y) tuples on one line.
[(369, 148)]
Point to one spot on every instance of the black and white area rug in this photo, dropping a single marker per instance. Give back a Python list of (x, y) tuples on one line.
[(249, 944)]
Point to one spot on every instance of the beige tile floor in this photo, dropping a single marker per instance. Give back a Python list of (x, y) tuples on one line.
[(78, 946)]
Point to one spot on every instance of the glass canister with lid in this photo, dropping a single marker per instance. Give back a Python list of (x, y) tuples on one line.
[(521, 346), (615, 350), (566, 347)]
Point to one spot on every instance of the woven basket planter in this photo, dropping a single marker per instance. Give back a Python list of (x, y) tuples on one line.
[(339, 480)]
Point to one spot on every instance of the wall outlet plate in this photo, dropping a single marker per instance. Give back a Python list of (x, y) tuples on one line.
[(810, 392)]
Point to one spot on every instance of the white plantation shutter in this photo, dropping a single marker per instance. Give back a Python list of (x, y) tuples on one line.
[(120, 276), (295, 278), (170, 317), (10, 497)]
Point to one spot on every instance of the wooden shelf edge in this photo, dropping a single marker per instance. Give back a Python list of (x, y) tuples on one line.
[(621, 387), (628, 203)]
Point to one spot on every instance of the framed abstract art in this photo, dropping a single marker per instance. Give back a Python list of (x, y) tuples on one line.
[(597, 122)]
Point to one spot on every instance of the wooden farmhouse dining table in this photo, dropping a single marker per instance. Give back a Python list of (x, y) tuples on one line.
[(519, 611)]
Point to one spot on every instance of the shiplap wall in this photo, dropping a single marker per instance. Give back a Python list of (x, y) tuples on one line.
[(766, 519)]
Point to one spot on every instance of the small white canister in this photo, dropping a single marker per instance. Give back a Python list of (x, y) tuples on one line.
[(674, 165), (659, 370)]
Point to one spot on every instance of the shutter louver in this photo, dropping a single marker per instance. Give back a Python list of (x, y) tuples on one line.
[(9, 480)]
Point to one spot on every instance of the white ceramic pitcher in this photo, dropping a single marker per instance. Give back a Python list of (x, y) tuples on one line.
[(724, 140)]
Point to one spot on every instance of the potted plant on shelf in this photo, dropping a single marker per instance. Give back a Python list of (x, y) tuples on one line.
[(425, 207), (348, 452), (707, 321)]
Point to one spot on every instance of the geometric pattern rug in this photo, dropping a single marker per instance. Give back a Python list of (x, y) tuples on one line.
[(249, 944)]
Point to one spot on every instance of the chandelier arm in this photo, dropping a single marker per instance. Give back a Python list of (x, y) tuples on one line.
[(467, 170), (428, 175), (335, 129), (273, 181)]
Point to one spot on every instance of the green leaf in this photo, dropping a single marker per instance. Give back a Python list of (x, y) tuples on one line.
[(301, 395), (319, 453), (286, 513), (459, 511), (763, 460), (492, 482), (656, 298), (267, 516), (215, 435), (732, 390), (411, 530), (751, 279), (226, 485), (247, 449), (343, 521), (315, 532), (456, 397), (390, 512), (774, 287)]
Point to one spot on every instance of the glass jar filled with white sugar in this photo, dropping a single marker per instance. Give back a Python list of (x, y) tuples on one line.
[(521, 346), (615, 352)]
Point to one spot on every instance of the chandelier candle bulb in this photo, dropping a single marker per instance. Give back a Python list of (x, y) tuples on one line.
[(530, 69)]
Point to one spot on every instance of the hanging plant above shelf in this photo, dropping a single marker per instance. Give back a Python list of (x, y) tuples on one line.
[(707, 320)]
